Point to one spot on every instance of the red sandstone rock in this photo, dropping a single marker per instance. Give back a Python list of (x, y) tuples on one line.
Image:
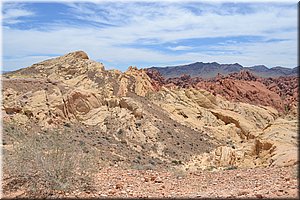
[(280, 93)]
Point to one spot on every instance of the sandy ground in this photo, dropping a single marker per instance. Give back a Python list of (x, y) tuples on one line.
[(237, 183)]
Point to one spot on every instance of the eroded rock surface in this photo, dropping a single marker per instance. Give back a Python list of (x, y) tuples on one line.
[(280, 93), (247, 135), (182, 120)]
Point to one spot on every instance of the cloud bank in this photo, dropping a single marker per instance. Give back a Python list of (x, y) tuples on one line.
[(151, 33)]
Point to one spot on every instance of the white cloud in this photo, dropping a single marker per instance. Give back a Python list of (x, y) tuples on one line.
[(158, 24), (13, 12), (180, 48)]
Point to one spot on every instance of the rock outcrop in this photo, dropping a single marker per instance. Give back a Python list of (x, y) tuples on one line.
[(247, 135), (61, 68), (252, 92), (141, 119), (141, 84), (274, 146), (280, 93)]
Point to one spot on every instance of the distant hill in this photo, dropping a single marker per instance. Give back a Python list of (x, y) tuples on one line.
[(4, 72), (209, 70)]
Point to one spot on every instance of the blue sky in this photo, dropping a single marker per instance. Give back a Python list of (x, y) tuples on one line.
[(157, 33)]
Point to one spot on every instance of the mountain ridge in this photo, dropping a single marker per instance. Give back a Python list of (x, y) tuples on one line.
[(212, 69)]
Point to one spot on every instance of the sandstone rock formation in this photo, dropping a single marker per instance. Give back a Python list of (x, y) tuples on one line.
[(274, 146), (280, 93), (252, 92), (109, 101), (138, 118)]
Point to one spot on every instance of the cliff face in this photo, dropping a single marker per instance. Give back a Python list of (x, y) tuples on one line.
[(144, 118)]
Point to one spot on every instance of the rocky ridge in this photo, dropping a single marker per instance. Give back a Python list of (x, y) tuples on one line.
[(210, 70), (140, 120), (111, 102)]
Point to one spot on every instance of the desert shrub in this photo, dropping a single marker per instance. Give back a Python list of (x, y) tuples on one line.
[(231, 167), (47, 162), (287, 108), (210, 168), (179, 172), (176, 162)]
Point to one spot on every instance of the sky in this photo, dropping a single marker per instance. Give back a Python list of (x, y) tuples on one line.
[(150, 33)]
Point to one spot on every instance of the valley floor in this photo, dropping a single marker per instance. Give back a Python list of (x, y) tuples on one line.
[(275, 182)]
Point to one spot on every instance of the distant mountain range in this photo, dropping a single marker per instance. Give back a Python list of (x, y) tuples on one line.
[(209, 70), (4, 72)]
